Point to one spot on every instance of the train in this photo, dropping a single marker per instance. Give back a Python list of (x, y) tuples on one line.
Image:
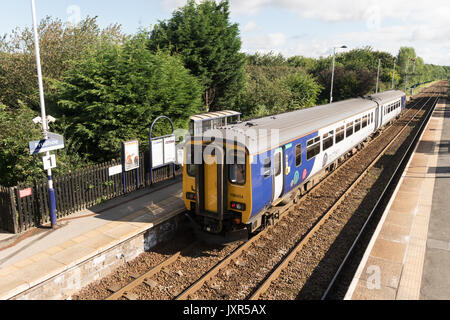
[(235, 175)]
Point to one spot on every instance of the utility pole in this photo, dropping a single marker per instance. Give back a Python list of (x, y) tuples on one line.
[(51, 191), (378, 74), (406, 72), (414, 73), (393, 73)]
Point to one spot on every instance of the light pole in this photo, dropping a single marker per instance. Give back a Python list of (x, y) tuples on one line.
[(332, 73), (51, 191), (393, 73), (378, 75)]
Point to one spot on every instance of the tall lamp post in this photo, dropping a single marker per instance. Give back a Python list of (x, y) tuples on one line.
[(44, 122), (332, 74), (378, 75)]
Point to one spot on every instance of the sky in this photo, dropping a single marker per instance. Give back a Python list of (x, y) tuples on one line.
[(309, 28)]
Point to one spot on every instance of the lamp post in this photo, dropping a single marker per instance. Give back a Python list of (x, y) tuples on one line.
[(393, 73), (44, 122), (378, 75), (332, 74)]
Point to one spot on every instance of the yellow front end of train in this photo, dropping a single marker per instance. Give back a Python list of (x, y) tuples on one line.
[(217, 187)]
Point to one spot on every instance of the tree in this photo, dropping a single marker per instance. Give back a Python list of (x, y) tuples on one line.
[(209, 45), (114, 93), (404, 63), (304, 90), (59, 43)]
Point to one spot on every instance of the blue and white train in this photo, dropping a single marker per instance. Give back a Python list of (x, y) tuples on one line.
[(257, 164)]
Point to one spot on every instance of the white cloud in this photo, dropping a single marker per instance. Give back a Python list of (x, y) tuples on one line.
[(251, 27), (265, 43), (388, 25)]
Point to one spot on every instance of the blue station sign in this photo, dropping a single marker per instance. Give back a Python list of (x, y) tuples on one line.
[(54, 142)]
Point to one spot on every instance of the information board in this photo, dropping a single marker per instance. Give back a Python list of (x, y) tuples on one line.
[(131, 155), (169, 150), (157, 153)]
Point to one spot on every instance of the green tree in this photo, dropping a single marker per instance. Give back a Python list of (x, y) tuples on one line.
[(209, 44), (304, 90), (405, 64), (114, 93), (59, 44)]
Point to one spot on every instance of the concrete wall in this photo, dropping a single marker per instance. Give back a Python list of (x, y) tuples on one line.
[(64, 285)]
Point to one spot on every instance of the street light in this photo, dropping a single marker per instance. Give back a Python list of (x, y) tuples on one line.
[(44, 119), (332, 74), (378, 74)]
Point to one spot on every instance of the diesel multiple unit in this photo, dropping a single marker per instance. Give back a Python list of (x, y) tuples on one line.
[(235, 174)]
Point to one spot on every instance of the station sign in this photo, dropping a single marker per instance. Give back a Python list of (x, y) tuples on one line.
[(54, 142), (49, 162)]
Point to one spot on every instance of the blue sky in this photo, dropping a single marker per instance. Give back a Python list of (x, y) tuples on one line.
[(291, 27)]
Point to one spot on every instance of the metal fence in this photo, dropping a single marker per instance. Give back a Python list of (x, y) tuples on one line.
[(26, 206)]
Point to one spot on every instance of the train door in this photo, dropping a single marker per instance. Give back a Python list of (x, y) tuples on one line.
[(210, 182), (213, 185), (278, 173), (381, 115), (377, 112)]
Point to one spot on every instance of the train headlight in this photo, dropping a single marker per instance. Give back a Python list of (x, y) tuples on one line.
[(238, 206), (190, 196)]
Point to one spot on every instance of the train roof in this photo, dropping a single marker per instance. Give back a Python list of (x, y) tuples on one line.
[(297, 123), (387, 96)]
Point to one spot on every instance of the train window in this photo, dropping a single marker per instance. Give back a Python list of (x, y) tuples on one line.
[(190, 168), (237, 170), (357, 125), (349, 129), (298, 154), (328, 140), (371, 117), (190, 165), (277, 164), (340, 134), (312, 148), (364, 121), (267, 165)]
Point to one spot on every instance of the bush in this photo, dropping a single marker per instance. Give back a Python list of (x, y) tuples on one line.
[(115, 92)]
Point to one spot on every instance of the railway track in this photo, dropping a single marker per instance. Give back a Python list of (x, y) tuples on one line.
[(317, 227), (183, 276)]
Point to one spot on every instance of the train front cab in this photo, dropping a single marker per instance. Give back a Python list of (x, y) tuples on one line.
[(217, 190)]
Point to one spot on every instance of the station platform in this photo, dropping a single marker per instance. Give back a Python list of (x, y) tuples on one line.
[(408, 257), (76, 251)]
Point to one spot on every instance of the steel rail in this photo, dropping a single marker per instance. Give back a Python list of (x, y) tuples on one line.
[(136, 282)]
